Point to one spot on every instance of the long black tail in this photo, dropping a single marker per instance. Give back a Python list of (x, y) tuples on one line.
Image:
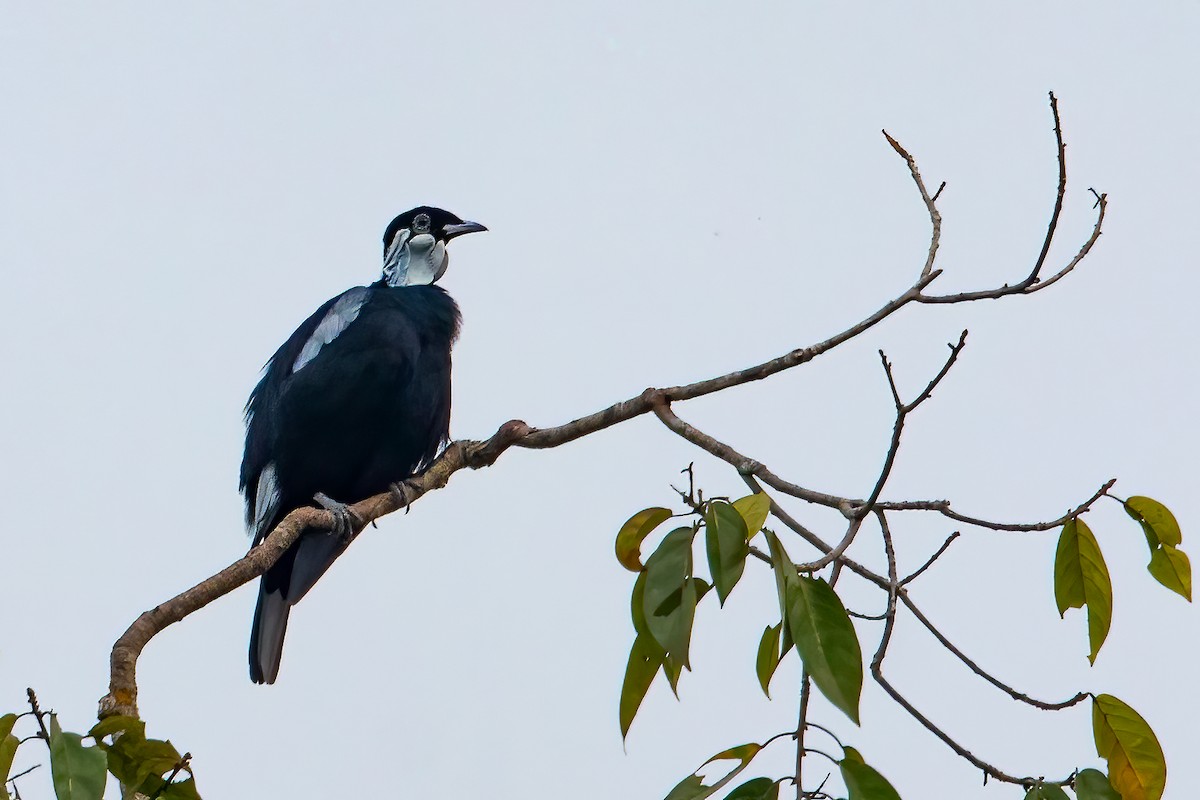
[(283, 585), (267, 632)]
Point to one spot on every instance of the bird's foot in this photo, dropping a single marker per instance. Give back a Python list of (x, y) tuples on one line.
[(400, 492), (345, 522)]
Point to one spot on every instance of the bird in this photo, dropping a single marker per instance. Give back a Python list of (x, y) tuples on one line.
[(355, 401)]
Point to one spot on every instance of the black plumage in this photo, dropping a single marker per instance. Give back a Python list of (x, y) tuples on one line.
[(357, 399)]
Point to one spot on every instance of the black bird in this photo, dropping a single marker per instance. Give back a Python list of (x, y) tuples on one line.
[(356, 400)]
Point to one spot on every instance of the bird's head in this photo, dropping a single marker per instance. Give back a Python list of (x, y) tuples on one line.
[(414, 245)]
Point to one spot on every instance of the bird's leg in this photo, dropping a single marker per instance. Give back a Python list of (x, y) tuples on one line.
[(344, 520), (399, 491)]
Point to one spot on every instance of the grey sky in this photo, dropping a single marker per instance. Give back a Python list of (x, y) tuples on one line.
[(673, 191)]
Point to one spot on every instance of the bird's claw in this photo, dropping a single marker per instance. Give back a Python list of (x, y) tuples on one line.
[(345, 522), (399, 491)]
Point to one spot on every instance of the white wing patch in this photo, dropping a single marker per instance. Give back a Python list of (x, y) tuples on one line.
[(336, 320), (266, 500)]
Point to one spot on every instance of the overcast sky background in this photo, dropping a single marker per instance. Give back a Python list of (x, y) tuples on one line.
[(674, 190)]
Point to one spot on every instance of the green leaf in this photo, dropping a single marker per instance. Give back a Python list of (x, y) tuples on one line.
[(863, 782), (1157, 521), (637, 528), (637, 605), (1137, 768), (179, 790), (155, 758), (775, 643), (768, 657), (669, 601), (785, 571), (690, 788), (726, 541), (693, 787), (131, 729), (1172, 568), (8, 751), (1081, 578), (78, 772), (1046, 791), (756, 789), (754, 509), (1092, 784), (827, 642), (852, 754), (672, 669), (645, 657)]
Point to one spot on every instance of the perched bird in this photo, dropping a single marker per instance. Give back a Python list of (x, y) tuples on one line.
[(356, 400)]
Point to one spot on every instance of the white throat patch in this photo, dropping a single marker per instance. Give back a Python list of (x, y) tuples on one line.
[(414, 260)]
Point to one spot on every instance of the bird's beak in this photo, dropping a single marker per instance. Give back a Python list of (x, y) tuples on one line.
[(452, 231)]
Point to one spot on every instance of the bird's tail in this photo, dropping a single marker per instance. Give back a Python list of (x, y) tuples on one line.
[(266, 634)]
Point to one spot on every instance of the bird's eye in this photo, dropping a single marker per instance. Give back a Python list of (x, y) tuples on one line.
[(421, 223)]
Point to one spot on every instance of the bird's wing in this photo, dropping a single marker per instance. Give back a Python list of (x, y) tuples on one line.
[(257, 479)]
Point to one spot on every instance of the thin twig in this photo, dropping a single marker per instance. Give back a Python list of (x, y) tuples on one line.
[(22, 774), (943, 507), (935, 217), (180, 766), (38, 714), (971, 665), (894, 593), (1062, 191), (945, 545), (805, 692)]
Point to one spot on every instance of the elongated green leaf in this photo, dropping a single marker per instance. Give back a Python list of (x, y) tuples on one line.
[(827, 642), (727, 544), (1081, 578), (637, 605), (863, 782), (6, 724), (785, 572), (78, 772), (155, 758), (1092, 784), (669, 601), (1172, 568), (1137, 768), (775, 643), (693, 787), (672, 667), (1046, 791), (768, 657), (1157, 521), (130, 728), (637, 528), (756, 789), (645, 657), (8, 751), (179, 790), (754, 509), (690, 788)]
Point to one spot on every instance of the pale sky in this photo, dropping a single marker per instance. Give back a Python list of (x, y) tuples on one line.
[(674, 190)]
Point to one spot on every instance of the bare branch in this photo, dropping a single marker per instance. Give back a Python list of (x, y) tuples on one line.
[(943, 507), (1032, 282), (1062, 191), (945, 545), (971, 665), (935, 217), (805, 691)]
